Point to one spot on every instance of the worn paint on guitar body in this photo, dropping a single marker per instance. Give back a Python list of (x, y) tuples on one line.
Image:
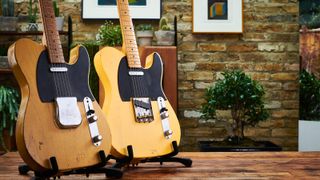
[(37, 134), (147, 139)]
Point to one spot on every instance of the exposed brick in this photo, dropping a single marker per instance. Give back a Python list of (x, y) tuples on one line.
[(290, 104), (186, 66), (285, 113), (200, 75), (284, 132), (242, 47), (202, 85), (187, 46), (212, 47), (284, 76), (185, 85), (275, 47), (211, 66)]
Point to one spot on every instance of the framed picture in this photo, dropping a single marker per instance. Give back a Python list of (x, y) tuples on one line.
[(217, 16), (107, 9)]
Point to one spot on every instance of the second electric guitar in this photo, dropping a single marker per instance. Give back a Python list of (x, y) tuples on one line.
[(58, 115), (135, 105)]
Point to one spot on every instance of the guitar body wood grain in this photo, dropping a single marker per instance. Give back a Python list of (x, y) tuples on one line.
[(147, 139), (37, 134)]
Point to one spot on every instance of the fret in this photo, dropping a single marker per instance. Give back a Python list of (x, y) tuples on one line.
[(51, 34), (129, 37)]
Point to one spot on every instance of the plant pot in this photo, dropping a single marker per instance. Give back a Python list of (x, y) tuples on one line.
[(33, 27), (59, 22), (8, 23), (218, 146), (165, 38), (309, 132), (9, 141), (4, 62), (144, 38)]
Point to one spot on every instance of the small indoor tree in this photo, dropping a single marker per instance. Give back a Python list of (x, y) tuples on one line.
[(239, 94), (309, 96)]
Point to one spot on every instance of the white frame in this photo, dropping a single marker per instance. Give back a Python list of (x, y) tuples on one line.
[(91, 10), (201, 23)]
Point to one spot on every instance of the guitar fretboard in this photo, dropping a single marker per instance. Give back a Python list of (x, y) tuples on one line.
[(51, 33), (129, 38)]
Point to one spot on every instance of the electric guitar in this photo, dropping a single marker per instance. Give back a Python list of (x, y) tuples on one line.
[(135, 105), (58, 115)]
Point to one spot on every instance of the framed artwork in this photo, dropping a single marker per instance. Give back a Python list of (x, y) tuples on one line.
[(217, 16), (107, 9)]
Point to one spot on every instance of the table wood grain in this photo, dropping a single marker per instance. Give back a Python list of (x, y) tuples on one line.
[(253, 165)]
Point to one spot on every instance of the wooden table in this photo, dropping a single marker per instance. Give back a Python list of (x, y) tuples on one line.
[(262, 165)]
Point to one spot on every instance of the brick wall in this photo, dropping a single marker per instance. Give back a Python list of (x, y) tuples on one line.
[(268, 50)]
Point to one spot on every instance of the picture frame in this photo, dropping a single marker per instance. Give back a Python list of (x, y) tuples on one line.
[(217, 16), (107, 9)]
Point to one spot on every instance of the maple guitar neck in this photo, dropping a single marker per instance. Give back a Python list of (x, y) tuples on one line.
[(51, 33), (129, 38)]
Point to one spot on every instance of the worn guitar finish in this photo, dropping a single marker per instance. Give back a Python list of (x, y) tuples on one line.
[(50, 124), (132, 95)]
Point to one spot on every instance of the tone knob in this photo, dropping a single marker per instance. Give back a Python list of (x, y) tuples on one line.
[(92, 119), (97, 139)]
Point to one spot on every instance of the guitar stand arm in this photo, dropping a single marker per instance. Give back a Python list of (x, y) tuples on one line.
[(165, 158), (170, 157), (124, 161), (96, 169)]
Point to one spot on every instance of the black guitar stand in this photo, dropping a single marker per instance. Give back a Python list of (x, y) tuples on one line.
[(166, 158), (54, 172)]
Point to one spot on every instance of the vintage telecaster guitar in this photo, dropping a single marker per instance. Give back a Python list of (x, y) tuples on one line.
[(58, 115), (135, 105)]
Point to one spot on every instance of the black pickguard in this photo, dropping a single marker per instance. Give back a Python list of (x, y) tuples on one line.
[(77, 78), (148, 85)]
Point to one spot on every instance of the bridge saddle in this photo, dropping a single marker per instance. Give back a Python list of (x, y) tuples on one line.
[(143, 110)]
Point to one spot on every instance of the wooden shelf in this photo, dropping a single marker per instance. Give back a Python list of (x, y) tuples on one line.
[(26, 33), (5, 71)]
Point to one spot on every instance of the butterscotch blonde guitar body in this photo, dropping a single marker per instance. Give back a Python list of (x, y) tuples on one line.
[(147, 139), (37, 133)]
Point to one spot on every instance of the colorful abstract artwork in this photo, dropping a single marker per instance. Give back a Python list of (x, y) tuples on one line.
[(218, 9), (114, 2)]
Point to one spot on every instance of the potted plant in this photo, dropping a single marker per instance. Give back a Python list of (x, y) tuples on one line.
[(7, 20), (32, 16), (109, 34), (144, 33), (9, 107), (59, 19), (309, 123), (242, 97), (165, 35)]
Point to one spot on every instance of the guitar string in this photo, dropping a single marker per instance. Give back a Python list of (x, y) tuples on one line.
[(65, 88), (56, 86)]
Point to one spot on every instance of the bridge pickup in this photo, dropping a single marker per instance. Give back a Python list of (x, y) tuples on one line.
[(92, 121), (142, 110), (67, 112), (164, 116)]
